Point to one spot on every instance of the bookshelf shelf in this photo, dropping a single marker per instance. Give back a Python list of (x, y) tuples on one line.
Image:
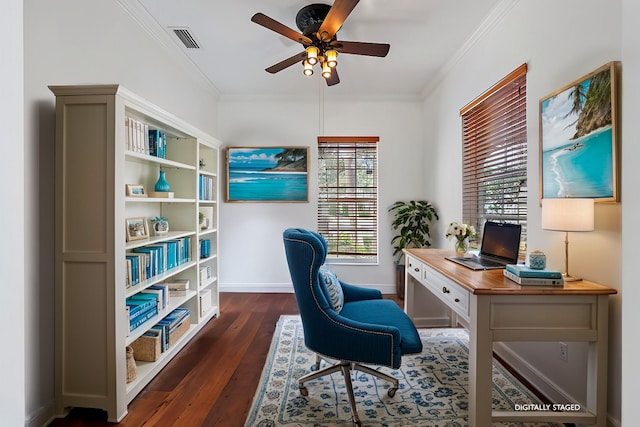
[(146, 158), (158, 200), (93, 260)]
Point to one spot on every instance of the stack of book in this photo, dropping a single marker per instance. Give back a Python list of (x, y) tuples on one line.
[(173, 326), (139, 138), (206, 188), (151, 260), (177, 287), (525, 275), (140, 308)]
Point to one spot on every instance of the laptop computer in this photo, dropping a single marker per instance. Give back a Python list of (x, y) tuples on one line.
[(500, 246)]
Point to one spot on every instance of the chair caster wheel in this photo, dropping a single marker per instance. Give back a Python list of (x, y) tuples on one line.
[(304, 391), (392, 392)]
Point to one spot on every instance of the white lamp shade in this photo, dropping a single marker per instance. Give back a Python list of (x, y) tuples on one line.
[(567, 214)]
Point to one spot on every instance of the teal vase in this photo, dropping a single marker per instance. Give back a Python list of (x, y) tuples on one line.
[(162, 186)]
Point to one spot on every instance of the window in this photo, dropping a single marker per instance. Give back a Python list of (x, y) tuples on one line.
[(348, 197), (494, 154)]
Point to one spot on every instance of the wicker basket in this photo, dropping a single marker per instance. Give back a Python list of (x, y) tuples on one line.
[(131, 365), (147, 348)]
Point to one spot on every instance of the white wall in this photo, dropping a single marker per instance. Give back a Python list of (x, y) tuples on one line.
[(560, 42), (81, 42), (12, 173), (631, 206), (93, 41), (252, 253)]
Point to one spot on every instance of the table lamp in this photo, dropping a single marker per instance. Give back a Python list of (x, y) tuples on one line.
[(567, 214)]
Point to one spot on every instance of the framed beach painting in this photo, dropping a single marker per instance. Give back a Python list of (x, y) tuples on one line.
[(267, 174), (578, 138)]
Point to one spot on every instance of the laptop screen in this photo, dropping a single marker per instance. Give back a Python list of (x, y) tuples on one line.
[(501, 240)]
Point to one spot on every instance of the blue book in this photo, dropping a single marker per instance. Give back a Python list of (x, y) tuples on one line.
[(522, 270), (139, 306), (135, 276), (133, 319), (142, 299), (153, 265), (173, 319), (164, 336), (141, 319)]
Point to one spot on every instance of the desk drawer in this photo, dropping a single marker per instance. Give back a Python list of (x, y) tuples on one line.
[(452, 294), (414, 267)]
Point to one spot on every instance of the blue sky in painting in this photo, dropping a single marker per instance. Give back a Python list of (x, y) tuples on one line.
[(253, 158), (558, 122)]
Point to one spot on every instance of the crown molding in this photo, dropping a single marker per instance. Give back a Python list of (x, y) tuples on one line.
[(495, 17)]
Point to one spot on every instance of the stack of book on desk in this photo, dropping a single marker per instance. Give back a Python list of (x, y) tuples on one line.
[(525, 275)]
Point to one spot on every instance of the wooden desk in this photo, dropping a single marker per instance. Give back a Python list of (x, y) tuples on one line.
[(497, 309)]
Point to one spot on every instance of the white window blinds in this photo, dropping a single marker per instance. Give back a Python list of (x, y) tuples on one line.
[(494, 155), (348, 197)]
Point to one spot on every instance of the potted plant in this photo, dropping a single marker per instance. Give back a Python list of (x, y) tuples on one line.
[(412, 220)]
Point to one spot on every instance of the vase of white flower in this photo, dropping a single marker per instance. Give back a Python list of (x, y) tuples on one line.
[(461, 234), (461, 247)]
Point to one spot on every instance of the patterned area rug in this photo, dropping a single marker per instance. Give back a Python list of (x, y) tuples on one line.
[(433, 386)]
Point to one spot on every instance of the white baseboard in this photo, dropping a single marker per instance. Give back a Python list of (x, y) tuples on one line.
[(432, 322), (540, 382), (42, 417), (285, 287)]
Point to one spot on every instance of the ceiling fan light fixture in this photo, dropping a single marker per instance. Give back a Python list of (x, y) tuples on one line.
[(312, 55), (308, 68), (331, 57), (326, 70)]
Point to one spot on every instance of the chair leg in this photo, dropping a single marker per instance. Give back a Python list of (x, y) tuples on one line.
[(367, 370), (346, 373), (316, 374), (346, 368)]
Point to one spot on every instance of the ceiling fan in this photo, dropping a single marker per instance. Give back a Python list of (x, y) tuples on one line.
[(319, 24)]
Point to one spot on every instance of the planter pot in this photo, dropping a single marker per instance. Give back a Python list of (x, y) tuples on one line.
[(400, 280)]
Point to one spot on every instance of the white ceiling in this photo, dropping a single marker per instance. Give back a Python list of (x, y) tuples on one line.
[(425, 35)]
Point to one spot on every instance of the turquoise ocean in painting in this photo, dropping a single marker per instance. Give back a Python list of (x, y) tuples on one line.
[(581, 168), (252, 178), (257, 185)]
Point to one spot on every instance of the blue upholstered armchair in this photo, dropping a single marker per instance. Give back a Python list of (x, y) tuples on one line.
[(343, 322)]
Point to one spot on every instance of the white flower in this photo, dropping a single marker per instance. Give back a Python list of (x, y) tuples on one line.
[(460, 231)]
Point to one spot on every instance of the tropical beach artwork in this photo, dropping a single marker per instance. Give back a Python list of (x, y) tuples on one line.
[(578, 138), (274, 174)]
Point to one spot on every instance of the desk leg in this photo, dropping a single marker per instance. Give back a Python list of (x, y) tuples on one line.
[(480, 362), (597, 365), (409, 298)]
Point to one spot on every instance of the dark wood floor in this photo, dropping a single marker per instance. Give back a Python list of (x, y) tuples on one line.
[(211, 382)]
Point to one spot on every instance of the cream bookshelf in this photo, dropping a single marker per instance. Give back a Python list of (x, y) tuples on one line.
[(94, 162)]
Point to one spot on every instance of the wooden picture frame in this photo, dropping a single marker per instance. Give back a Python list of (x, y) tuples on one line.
[(267, 174), (136, 229), (579, 138), (136, 190)]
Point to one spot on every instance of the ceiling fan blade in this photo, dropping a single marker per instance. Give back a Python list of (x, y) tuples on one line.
[(335, 18), (295, 59), (333, 79), (273, 25), (362, 48)]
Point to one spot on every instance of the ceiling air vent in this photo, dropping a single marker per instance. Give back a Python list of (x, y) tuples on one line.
[(185, 36)]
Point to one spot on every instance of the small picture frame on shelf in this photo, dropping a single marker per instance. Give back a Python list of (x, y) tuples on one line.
[(159, 225), (136, 229), (136, 190)]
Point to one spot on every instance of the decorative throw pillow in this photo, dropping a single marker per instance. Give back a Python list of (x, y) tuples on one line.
[(333, 288)]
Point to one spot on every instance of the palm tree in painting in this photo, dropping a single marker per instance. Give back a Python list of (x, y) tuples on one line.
[(578, 95)]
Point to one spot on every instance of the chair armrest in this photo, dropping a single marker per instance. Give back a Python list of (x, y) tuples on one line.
[(356, 293)]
